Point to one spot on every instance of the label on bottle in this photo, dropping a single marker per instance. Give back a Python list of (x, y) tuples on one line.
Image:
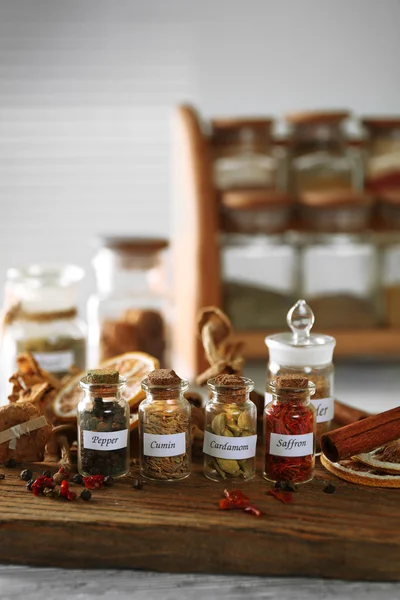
[(235, 448), (325, 408), (105, 440), (164, 445), (291, 445), (55, 362)]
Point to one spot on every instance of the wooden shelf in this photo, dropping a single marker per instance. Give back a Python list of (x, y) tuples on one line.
[(363, 343)]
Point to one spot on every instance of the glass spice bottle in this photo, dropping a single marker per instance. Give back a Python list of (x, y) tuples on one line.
[(289, 430), (41, 317), (230, 435), (103, 425), (303, 354), (164, 427)]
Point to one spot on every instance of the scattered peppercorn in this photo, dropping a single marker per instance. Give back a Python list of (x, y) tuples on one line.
[(46, 473), (137, 484), (2, 476), (77, 478), (330, 489), (86, 494), (286, 486), (29, 484), (48, 492), (108, 480), (11, 464), (26, 475)]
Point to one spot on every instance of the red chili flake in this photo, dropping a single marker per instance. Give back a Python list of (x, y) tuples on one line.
[(40, 483), (71, 495), (285, 497), (64, 489), (93, 482), (237, 500)]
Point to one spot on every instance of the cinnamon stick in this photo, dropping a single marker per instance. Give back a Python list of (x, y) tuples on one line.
[(362, 436), (344, 414)]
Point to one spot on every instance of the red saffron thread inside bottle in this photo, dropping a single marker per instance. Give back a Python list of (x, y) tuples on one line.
[(289, 414)]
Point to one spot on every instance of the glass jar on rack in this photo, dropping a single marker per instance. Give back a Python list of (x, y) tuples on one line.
[(391, 282), (383, 167), (339, 261), (260, 279), (41, 317), (304, 354), (320, 159), (129, 311), (245, 156)]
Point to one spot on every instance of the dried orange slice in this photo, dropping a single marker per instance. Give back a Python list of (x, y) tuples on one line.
[(356, 472), (134, 366)]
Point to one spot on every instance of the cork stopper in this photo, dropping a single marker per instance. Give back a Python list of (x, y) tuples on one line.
[(234, 381), (102, 376), (163, 378), (291, 382)]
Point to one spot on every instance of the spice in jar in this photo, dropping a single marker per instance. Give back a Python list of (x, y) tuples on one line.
[(230, 436), (103, 425), (289, 425), (164, 427)]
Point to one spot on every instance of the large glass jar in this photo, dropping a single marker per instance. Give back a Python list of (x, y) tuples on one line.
[(164, 427), (383, 167), (129, 311), (245, 156), (308, 355), (41, 317), (103, 425), (230, 435), (259, 280), (320, 157), (289, 431)]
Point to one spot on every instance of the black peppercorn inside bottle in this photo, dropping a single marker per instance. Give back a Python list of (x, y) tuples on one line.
[(103, 425)]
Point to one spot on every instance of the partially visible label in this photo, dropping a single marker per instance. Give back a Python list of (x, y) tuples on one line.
[(325, 408), (291, 445), (222, 446), (105, 440), (55, 362), (267, 398), (164, 445)]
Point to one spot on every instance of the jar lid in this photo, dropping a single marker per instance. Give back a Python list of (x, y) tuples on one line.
[(230, 123), (334, 197), (384, 122), (257, 199), (316, 116), (138, 245), (300, 348)]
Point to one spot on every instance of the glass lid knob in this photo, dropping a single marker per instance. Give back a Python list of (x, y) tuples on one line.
[(300, 319)]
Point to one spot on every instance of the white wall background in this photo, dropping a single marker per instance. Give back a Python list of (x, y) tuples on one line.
[(87, 88)]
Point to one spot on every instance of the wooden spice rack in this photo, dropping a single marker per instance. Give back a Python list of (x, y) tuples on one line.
[(196, 259), (351, 534)]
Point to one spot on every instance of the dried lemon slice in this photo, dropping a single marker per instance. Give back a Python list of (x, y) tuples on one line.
[(134, 366), (356, 472), (386, 458)]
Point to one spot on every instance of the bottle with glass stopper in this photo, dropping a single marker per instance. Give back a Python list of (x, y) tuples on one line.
[(305, 354)]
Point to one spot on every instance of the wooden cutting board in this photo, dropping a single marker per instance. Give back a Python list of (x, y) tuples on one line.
[(352, 534)]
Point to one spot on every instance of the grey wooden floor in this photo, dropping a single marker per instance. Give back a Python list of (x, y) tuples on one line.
[(60, 584)]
